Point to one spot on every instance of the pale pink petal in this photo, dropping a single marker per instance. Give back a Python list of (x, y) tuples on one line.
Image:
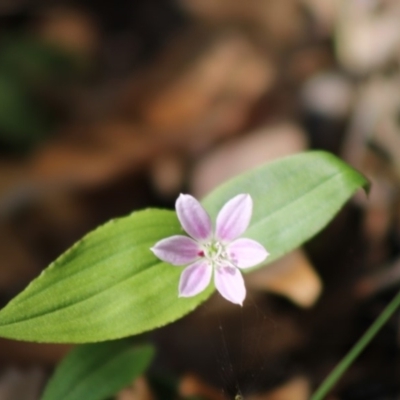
[(245, 253), (195, 278), (193, 218), (234, 218), (229, 282), (177, 250)]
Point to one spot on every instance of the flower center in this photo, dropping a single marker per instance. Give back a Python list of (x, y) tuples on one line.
[(216, 253)]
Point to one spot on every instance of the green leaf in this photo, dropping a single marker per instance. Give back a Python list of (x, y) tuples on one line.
[(294, 198), (97, 371), (109, 285)]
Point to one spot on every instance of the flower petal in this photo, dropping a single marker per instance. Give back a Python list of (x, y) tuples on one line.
[(195, 278), (229, 282), (177, 250), (193, 218), (245, 253), (234, 217)]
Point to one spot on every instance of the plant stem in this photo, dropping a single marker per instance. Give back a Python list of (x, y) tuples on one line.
[(356, 350)]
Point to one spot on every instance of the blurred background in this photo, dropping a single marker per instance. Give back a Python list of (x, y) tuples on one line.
[(111, 106)]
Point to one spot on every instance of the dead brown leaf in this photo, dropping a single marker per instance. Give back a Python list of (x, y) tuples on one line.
[(292, 276), (138, 391), (295, 389), (203, 93), (193, 385)]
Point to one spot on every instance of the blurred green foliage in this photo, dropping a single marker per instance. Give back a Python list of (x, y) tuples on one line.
[(29, 70)]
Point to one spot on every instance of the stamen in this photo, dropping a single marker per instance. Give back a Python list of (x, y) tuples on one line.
[(219, 249), (215, 252)]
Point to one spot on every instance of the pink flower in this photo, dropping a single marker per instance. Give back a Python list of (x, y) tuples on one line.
[(221, 253)]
